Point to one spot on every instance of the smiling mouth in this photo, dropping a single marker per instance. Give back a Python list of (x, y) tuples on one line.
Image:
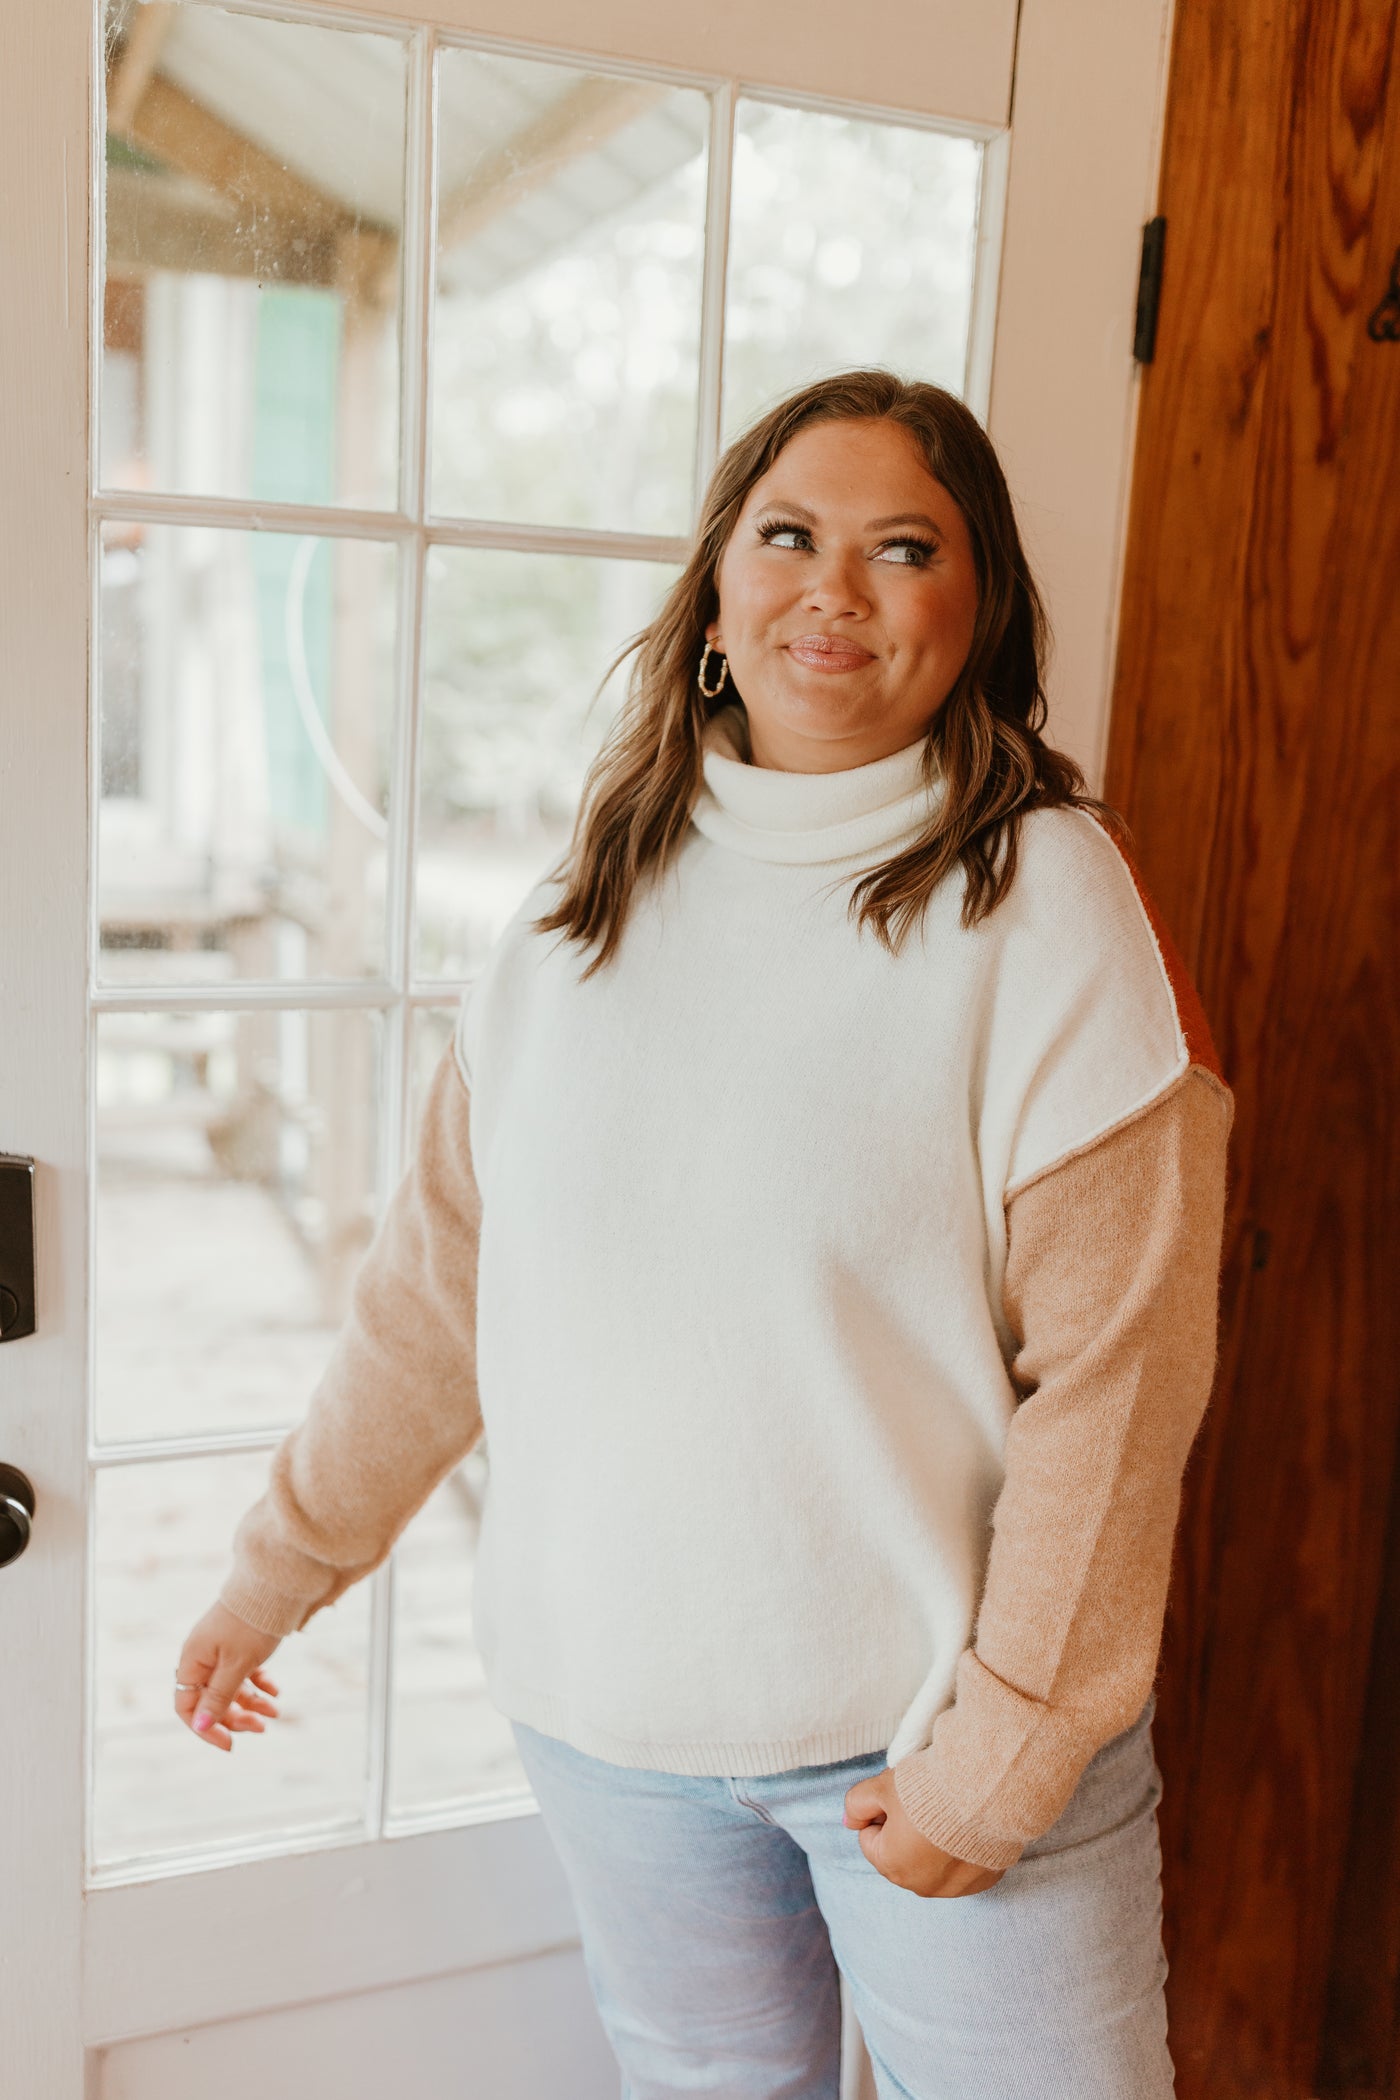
[(827, 652)]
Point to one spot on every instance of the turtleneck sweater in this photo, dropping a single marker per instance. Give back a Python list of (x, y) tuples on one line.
[(838, 1320), (808, 817)]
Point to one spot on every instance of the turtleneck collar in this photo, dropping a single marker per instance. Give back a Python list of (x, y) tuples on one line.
[(772, 815)]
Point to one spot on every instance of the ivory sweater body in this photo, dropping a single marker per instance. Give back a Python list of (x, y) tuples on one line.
[(777, 1241)]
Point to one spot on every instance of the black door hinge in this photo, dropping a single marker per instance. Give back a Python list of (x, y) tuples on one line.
[(1384, 324), (1154, 239)]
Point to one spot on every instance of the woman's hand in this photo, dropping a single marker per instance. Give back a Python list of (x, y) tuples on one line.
[(220, 1686), (903, 1854)]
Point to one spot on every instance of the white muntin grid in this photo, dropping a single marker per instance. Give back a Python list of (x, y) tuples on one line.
[(412, 530)]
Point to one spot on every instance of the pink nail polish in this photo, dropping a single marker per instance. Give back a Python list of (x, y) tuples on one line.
[(203, 1721)]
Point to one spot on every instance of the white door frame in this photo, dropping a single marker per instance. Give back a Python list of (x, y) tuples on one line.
[(1084, 154), (44, 177)]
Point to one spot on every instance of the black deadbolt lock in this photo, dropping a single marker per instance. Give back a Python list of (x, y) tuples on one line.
[(16, 1247), (16, 1510)]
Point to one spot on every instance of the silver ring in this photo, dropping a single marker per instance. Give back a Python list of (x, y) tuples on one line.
[(187, 1687)]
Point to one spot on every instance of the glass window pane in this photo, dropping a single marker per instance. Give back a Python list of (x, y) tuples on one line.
[(246, 685), (449, 1743), (567, 324), (254, 207), (851, 243), (162, 1543), (514, 645), (236, 1193)]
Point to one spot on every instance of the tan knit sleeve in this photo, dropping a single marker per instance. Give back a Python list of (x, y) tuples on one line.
[(1111, 1293), (397, 1405)]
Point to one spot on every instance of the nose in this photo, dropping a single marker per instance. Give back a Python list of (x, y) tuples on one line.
[(835, 586)]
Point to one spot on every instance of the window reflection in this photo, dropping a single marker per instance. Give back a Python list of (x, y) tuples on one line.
[(514, 646), (254, 208), (161, 1551), (236, 1195), (566, 335), (851, 243), (247, 706)]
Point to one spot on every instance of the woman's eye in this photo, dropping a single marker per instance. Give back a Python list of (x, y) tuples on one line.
[(912, 553)]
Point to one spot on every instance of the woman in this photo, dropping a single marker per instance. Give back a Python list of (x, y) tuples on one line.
[(821, 1205)]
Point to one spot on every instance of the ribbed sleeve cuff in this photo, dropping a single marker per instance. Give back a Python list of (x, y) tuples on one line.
[(937, 1818), (996, 1772), (270, 1610)]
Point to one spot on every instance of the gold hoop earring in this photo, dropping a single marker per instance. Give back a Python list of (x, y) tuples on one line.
[(718, 687)]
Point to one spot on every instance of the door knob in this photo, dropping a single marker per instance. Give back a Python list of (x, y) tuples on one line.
[(16, 1510)]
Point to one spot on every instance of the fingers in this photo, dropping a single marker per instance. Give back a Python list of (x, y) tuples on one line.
[(222, 1689), (226, 1704), (213, 1704), (871, 1839), (239, 1723), (865, 1802), (924, 1869), (241, 1717), (255, 1702)]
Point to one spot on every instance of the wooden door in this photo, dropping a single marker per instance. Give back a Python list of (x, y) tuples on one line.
[(1256, 751), (248, 563)]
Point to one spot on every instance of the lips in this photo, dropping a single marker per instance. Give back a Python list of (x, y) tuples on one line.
[(829, 652)]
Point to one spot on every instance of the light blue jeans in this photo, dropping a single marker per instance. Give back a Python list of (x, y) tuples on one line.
[(715, 1913)]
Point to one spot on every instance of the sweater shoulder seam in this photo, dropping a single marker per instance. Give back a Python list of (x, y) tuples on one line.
[(458, 1055), (1158, 1098)]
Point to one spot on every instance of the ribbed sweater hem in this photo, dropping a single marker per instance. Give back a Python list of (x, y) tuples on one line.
[(693, 1759)]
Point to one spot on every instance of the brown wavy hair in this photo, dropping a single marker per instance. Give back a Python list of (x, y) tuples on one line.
[(985, 740)]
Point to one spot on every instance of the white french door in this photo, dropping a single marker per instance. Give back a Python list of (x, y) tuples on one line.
[(359, 373)]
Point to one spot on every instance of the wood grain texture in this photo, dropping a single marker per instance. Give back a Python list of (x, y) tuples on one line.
[(1256, 751), (1360, 2053)]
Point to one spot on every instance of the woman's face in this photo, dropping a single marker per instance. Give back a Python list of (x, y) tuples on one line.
[(847, 597)]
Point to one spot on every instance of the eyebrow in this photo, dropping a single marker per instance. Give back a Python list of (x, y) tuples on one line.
[(906, 517)]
